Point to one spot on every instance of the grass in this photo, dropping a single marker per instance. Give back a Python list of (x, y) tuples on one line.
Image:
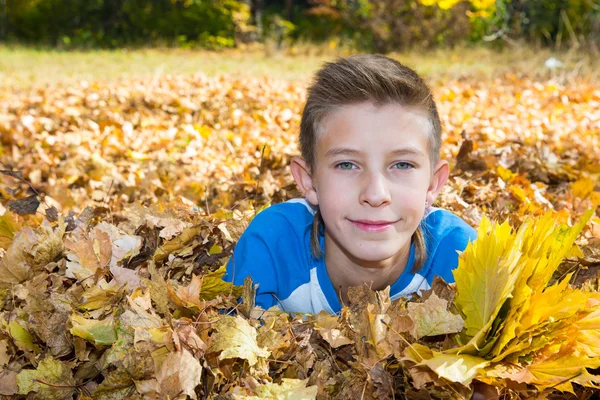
[(30, 67)]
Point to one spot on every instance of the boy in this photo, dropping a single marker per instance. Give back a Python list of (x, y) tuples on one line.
[(370, 140)]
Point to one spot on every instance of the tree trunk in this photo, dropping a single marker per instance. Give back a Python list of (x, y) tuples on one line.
[(257, 10), (3, 19), (289, 10)]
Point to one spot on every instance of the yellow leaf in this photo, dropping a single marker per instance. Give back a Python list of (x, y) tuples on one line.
[(190, 294), (235, 338), (97, 296), (518, 193), (52, 380), (22, 338), (176, 243), (582, 187), (575, 252), (555, 373), (554, 303), (50, 243), (327, 325), (215, 249), (506, 174), (485, 277), (417, 353), (501, 265), (447, 4), (98, 332), (563, 238), (588, 334), (288, 389), (595, 197), (8, 227), (15, 264), (205, 287), (203, 130), (483, 4), (432, 318), (82, 254), (460, 368), (213, 286)]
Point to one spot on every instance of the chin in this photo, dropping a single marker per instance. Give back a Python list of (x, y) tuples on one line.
[(374, 253)]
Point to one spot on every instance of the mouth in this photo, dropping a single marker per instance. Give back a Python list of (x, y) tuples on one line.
[(372, 226)]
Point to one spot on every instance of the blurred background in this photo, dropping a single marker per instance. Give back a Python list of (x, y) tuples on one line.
[(366, 25)]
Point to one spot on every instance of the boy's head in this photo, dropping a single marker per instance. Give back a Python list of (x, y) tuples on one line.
[(370, 139), (365, 78)]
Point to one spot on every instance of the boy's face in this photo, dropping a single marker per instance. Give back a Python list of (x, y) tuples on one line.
[(372, 177)]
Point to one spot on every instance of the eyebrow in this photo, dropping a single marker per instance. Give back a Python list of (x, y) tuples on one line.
[(351, 152)]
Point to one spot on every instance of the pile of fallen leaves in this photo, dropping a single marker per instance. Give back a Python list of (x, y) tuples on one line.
[(121, 203)]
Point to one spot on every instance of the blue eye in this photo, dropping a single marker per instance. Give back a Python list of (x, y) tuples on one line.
[(345, 165), (404, 165)]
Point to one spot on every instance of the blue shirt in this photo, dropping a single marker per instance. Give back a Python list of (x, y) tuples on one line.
[(275, 251)]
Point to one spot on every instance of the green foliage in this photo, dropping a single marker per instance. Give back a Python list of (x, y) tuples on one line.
[(396, 24), (112, 23), (386, 25), (544, 22), (377, 25)]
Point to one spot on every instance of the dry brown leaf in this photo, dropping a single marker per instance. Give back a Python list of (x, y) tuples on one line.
[(179, 373)]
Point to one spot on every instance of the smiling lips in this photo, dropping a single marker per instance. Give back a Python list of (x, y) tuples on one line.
[(372, 226)]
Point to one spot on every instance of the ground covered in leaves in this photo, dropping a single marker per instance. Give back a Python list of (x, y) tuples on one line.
[(120, 204)]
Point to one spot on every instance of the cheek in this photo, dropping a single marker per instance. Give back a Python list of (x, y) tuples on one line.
[(409, 196), (332, 187)]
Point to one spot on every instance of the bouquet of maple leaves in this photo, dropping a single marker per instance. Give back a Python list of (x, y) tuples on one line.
[(517, 329), (98, 310)]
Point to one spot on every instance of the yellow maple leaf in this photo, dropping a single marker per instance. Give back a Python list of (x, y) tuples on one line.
[(98, 332), (288, 389), (485, 277), (327, 325), (587, 340), (52, 380), (544, 245), (582, 187), (236, 338), (560, 243), (557, 373), (21, 337), (501, 265), (432, 318), (15, 264), (190, 295), (460, 368), (202, 288), (554, 303), (506, 174), (595, 197), (8, 227)]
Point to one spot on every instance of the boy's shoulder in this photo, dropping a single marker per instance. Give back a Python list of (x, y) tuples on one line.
[(441, 222), (294, 215), (446, 234)]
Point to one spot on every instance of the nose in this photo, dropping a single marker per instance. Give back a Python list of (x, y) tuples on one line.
[(375, 191)]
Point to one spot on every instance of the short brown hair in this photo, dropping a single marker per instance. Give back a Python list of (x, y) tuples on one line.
[(358, 79)]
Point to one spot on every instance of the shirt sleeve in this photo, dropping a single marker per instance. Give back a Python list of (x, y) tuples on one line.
[(269, 252), (252, 257), (445, 259)]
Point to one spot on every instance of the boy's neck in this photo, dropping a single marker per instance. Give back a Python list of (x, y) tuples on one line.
[(346, 271)]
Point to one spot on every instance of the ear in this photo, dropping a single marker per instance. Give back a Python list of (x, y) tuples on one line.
[(438, 180), (303, 177)]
